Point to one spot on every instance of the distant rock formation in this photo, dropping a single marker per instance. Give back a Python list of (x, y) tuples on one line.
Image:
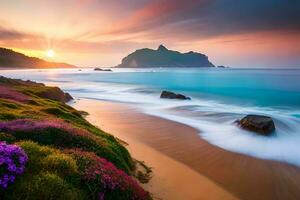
[(172, 95), (260, 124), (103, 70), (162, 57), (12, 59)]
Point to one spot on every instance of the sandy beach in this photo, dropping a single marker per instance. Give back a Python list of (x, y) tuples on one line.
[(186, 166)]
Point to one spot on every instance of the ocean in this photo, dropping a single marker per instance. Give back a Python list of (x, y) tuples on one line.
[(219, 97)]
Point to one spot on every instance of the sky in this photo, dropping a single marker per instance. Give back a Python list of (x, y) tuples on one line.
[(90, 33)]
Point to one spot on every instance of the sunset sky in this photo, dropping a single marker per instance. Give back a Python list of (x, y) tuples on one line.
[(237, 33)]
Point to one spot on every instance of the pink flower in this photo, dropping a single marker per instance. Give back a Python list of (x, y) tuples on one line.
[(107, 176), (11, 94)]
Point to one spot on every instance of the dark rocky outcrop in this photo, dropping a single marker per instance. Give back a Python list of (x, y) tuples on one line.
[(103, 70), (260, 124), (56, 94), (172, 95), (12, 59), (162, 57), (37, 89)]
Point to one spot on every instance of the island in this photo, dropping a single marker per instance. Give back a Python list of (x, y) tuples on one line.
[(11, 59), (163, 57)]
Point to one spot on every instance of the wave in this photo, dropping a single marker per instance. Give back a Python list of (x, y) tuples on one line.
[(214, 120), (211, 116)]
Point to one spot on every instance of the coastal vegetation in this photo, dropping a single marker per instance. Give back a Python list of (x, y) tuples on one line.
[(49, 151)]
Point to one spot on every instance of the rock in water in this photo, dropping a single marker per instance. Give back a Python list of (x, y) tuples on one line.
[(172, 95), (103, 70), (260, 124)]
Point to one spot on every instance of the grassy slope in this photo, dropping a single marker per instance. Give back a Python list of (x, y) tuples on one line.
[(37, 103)]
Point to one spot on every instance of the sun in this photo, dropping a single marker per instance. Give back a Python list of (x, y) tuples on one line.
[(50, 53)]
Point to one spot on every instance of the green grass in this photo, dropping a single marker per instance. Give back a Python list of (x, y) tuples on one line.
[(50, 173), (43, 108)]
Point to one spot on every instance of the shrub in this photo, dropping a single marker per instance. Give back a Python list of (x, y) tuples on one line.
[(104, 180), (7, 138), (12, 163), (60, 164), (62, 134), (11, 94), (50, 174), (44, 186), (42, 158)]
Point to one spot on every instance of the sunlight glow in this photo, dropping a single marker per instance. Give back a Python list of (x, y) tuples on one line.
[(50, 53)]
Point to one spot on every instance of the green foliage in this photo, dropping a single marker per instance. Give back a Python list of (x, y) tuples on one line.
[(60, 164), (43, 158), (63, 138), (8, 138), (50, 174), (40, 108), (63, 114), (44, 186)]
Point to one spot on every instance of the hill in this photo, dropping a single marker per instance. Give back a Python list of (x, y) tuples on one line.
[(162, 57), (12, 59), (49, 151)]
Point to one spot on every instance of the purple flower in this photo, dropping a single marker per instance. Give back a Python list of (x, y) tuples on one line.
[(29, 125), (101, 196), (11, 94), (12, 163)]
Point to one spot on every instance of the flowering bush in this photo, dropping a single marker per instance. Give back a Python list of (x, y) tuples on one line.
[(12, 163), (50, 174), (11, 94), (104, 180), (30, 125), (62, 134), (69, 134)]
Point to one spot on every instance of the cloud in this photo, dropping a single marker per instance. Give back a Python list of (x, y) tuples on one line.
[(208, 18), (120, 26), (152, 15), (6, 34)]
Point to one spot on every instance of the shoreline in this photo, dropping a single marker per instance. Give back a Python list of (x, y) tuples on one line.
[(171, 179), (229, 175)]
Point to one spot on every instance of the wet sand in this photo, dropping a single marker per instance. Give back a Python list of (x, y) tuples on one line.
[(186, 166)]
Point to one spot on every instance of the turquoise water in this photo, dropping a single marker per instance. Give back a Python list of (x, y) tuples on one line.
[(219, 97), (256, 87)]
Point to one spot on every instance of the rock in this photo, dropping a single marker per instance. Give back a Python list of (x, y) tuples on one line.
[(55, 93), (103, 70), (260, 124), (221, 66), (172, 95), (68, 97)]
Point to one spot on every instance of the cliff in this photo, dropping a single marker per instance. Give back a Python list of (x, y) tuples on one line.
[(162, 57)]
